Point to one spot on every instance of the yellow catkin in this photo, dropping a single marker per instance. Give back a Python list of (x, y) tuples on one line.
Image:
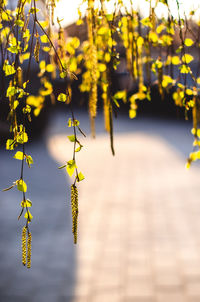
[(37, 49), (53, 5), (24, 246), (74, 205), (106, 113), (19, 76), (160, 79), (194, 113), (93, 96), (29, 250)]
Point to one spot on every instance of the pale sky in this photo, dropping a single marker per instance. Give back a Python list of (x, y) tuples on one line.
[(67, 10)]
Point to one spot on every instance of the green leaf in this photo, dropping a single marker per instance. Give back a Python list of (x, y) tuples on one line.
[(70, 123), (21, 185), (22, 138), (13, 49), (10, 144), (15, 104), (19, 155), (62, 97), (80, 176), (120, 94), (116, 102), (147, 22), (109, 17), (8, 69), (29, 160), (11, 91), (72, 138), (26, 203), (179, 49), (63, 74), (33, 10), (19, 23), (71, 166), (79, 148), (28, 216)]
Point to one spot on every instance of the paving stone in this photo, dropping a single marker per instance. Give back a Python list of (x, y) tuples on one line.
[(104, 296), (139, 229), (139, 288), (172, 297), (193, 289)]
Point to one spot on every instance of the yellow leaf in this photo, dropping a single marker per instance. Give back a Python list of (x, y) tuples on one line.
[(10, 144), (187, 58), (44, 39), (73, 65), (62, 97), (184, 69), (166, 81), (49, 68), (153, 37), (28, 216), (26, 204), (188, 42), (21, 185), (160, 28), (42, 65), (187, 166), (79, 22), (107, 57), (19, 155), (189, 91), (46, 48), (132, 113), (175, 60), (140, 42), (147, 22), (102, 67), (71, 166)]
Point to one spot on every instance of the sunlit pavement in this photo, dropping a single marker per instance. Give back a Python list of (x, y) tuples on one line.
[(139, 226)]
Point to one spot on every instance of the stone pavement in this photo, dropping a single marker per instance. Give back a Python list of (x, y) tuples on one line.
[(53, 255), (139, 225)]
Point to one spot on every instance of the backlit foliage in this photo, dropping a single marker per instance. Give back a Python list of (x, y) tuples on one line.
[(162, 51)]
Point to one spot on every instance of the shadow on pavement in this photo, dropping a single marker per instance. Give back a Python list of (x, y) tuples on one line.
[(52, 275)]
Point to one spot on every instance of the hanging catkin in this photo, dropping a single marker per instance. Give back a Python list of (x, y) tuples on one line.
[(74, 205), (24, 246), (19, 76), (29, 250), (93, 66), (37, 48), (106, 104)]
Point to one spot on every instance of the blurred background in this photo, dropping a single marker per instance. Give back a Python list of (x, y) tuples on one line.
[(139, 227), (138, 233)]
